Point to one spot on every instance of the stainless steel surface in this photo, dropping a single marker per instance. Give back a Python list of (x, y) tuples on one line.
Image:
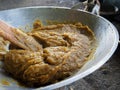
[(106, 35)]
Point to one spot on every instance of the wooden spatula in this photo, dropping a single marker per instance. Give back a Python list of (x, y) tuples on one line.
[(18, 37)]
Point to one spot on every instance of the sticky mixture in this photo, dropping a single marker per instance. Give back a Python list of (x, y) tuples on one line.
[(5, 82), (63, 49)]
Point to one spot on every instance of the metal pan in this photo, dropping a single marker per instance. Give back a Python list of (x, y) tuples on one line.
[(105, 32)]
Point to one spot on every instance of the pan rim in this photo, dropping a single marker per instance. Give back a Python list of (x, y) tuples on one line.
[(88, 71)]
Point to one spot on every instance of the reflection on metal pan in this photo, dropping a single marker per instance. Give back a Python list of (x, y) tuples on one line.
[(105, 32)]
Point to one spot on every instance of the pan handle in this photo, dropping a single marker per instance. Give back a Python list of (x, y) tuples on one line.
[(92, 6)]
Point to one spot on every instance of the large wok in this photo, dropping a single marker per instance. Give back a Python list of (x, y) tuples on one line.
[(106, 36)]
